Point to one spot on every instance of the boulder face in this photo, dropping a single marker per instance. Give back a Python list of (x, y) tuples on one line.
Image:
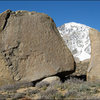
[(93, 73), (32, 47)]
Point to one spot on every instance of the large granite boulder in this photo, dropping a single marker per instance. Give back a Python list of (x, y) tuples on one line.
[(31, 47), (93, 72)]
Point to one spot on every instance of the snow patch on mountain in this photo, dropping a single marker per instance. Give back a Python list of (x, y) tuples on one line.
[(76, 37)]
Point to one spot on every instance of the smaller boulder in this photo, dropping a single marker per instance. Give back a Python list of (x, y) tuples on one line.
[(51, 79), (48, 81)]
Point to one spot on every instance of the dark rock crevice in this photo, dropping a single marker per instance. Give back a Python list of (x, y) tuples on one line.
[(6, 18)]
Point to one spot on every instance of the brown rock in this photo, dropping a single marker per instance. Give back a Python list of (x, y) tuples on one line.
[(32, 47), (81, 67), (5, 75), (93, 73)]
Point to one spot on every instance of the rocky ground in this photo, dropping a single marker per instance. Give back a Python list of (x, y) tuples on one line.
[(71, 88)]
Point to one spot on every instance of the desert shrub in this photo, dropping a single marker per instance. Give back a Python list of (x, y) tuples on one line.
[(93, 98), (30, 91), (51, 93), (15, 86), (59, 95), (18, 96), (76, 94), (79, 87), (42, 85), (2, 97), (54, 85), (63, 86), (25, 84), (8, 87), (88, 87), (26, 98), (70, 83), (93, 84), (71, 93), (94, 91), (84, 88), (76, 89), (9, 94), (48, 94), (74, 80)]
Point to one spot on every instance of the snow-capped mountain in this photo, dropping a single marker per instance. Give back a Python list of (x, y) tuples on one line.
[(76, 37)]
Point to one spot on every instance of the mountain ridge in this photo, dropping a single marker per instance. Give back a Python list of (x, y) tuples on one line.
[(76, 37)]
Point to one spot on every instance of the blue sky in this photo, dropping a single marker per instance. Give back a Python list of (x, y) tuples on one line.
[(85, 12)]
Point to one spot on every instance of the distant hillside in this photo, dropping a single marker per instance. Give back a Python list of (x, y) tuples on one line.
[(76, 36)]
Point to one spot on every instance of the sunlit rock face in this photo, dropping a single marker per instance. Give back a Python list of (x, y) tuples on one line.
[(93, 72), (31, 48)]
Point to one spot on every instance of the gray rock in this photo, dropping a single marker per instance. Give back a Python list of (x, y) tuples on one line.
[(51, 79)]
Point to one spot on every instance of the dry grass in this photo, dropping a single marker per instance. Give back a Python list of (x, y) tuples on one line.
[(70, 89)]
